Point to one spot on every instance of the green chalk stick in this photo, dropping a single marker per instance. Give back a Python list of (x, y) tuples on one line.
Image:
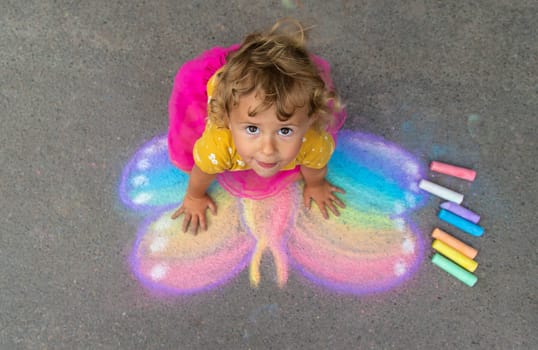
[(453, 269)]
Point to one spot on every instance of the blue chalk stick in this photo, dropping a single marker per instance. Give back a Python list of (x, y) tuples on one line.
[(461, 223)]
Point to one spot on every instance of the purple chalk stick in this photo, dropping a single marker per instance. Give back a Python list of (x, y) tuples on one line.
[(461, 211)]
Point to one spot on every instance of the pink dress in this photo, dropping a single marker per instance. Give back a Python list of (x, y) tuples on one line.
[(188, 111)]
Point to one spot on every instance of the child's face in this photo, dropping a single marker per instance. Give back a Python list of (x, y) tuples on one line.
[(265, 143)]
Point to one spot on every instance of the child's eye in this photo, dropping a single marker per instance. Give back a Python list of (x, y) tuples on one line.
[(285, 132), (252, 130)]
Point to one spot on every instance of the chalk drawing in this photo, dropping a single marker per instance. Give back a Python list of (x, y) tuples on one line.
[(372, 247)]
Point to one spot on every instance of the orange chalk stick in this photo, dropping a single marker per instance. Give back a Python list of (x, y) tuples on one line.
[(452, 170), (455, 243)]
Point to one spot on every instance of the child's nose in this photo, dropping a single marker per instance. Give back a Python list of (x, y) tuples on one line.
[(268, 146)]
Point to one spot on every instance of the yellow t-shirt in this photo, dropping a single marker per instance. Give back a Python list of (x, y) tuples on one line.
[(215, 151)]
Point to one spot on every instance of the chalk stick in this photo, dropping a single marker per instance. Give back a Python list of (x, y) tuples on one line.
[(441, 191), (455, 243), (454, 255), (461, 223), (461, 211), (452, 170), (453, 269)]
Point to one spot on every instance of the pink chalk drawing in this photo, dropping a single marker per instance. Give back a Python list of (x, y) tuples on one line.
[(373, 246)]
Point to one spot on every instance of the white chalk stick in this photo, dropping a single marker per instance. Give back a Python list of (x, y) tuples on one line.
[(441, 191)]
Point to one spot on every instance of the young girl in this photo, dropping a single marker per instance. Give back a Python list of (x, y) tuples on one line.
[(263, 111)]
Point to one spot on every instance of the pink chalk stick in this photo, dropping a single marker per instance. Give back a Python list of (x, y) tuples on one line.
[(461, 211), (452, 170)]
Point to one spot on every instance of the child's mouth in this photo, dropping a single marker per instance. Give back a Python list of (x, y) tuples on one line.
[(266, 165)]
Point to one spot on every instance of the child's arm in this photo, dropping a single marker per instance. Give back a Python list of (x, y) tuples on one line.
[(196, 201), (317, 188)]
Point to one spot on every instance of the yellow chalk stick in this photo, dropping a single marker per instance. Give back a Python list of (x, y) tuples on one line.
[(454, 255), (455, 243)]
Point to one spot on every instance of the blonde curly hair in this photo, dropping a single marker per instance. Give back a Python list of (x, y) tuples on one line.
[(276, 65)]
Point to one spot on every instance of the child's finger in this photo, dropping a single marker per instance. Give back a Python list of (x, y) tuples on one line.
[(338, 202), (194, 224), (177, 213), (308, 202), (333, 209), (203, 222), (337, 189), (213, 207), (186, 222), (324, 211)]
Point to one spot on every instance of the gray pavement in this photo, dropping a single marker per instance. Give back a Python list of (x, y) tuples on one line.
[(85, 83)]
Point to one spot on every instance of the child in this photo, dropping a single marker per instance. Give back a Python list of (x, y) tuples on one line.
[(270, 109)]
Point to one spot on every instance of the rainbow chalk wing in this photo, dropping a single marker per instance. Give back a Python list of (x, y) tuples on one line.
[(163, 258), (378, 176), (357, 253), (372, 246), (150, 180), (169, 261)]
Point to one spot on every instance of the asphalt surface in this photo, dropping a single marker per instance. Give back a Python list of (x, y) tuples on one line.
[(85, 84)]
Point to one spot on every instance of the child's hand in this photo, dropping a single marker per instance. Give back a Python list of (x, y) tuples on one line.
[(194, 211), (324, 196)]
